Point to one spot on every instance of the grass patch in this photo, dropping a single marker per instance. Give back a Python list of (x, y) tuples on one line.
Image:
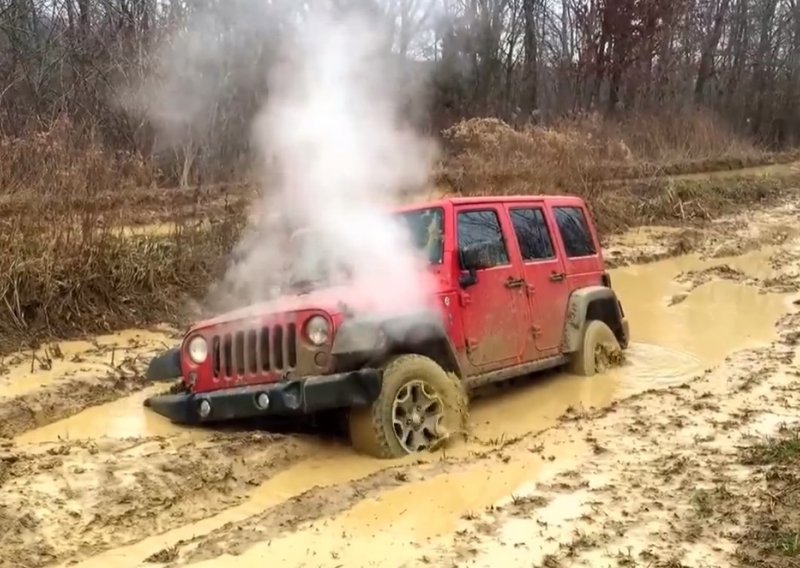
[(788, 544), (772, 536), (784, 451), (707, 502)]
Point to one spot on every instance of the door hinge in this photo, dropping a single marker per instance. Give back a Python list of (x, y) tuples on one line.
[(530, 288), (471, 344), (536, 330), (464, 299)]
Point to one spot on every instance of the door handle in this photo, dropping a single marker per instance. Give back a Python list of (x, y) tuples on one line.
[(557, 276), (515, 282)]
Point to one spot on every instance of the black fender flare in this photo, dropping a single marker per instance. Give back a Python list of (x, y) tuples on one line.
[(166, 366), (578, 312), (421, 332)]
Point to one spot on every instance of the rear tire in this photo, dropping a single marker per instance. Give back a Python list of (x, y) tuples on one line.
[(420, 407), (599, 349)]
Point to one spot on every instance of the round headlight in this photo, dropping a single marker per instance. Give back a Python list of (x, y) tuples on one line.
[(317, 330), (198, 350)]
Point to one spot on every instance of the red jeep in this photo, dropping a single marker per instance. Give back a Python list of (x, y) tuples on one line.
[(521, 287)]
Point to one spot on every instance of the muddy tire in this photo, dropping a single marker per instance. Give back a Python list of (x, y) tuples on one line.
[(419, 408), (598, 350)]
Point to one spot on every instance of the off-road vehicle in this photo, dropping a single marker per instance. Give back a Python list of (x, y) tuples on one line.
[(521, 287)]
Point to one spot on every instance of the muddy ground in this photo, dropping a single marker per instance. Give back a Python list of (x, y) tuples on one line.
[(687, 455)]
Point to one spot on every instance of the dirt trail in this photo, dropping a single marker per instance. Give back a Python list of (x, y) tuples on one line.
[(779, 169), (558, 470)]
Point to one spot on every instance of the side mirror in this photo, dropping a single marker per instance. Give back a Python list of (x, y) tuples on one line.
[(474, 257), (478, 256)]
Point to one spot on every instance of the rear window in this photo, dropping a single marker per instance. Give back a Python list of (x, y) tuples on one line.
[(574, 231)]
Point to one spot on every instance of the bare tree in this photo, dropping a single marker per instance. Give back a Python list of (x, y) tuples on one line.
[(506, 58)]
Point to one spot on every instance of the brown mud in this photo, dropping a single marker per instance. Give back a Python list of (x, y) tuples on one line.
[(641, 466), (41, 386)]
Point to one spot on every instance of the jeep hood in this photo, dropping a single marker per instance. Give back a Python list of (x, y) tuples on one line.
[(334, 300)]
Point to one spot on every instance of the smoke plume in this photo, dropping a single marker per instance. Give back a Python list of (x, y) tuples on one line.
[(332, 131), (338, 152)]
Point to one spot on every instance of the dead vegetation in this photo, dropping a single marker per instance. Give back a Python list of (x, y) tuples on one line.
[(486, 155), (62, 279), (67, 270), (623, 169)]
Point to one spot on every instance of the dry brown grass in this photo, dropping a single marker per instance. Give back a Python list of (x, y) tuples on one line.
[(488, 156), (72, 279), (689, 202), (66, 270), (582, 155), (63, 162), (691, 136)]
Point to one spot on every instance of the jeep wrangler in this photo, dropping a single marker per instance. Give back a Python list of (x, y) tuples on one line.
[(520, 287)]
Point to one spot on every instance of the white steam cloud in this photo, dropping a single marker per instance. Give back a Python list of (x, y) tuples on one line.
[(338, 152), (332, 129)]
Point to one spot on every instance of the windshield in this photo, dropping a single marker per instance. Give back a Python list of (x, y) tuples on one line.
[(426, 229), (314, 262)]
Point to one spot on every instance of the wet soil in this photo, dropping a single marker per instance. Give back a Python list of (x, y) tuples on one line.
[(41, 386), (641, 466)]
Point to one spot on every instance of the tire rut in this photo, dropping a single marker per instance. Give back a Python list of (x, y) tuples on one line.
[(68, 501), (316, 503), (39, 408)]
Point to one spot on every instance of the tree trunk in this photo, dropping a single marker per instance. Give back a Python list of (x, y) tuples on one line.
[(530, 96), (706, 67)]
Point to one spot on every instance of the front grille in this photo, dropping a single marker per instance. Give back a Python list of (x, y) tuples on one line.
[(254, 352)]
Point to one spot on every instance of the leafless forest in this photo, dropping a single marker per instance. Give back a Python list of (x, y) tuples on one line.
[(524, 61), (600, 98)]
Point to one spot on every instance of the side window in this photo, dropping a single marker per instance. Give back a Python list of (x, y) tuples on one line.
[(531, 230), (574, 231), (482, 228)]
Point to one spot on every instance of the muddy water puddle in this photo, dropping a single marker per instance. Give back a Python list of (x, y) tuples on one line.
[(670, 344), (120, 419), (712, 320), (28, 371)]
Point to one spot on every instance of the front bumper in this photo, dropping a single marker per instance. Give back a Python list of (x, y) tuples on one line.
[(286, 398)]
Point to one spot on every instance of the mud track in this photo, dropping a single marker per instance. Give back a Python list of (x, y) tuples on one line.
[(645, 466), (70, 499), (25, 412)]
